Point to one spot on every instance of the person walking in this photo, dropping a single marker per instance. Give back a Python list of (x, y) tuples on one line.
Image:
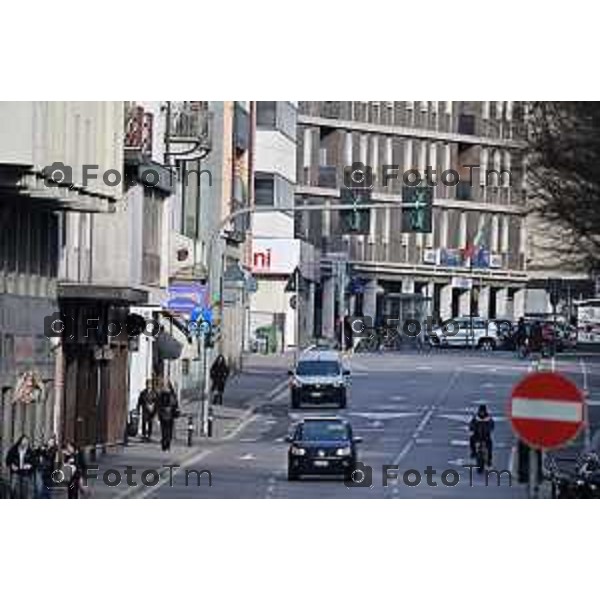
[(73, 467), (219, 373), (168, 411), (148, 405), (20, 463), (45, 465)]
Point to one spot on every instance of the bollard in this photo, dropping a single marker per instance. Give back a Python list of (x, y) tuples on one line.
[(209, 424), (190, 429)]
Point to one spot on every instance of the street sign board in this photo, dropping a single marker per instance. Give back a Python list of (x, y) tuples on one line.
[(546, 410), (185, 296)]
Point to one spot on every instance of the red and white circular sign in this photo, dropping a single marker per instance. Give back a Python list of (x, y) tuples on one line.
[(546, 410)]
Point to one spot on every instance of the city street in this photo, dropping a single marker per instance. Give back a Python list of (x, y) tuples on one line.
[(411, 410)]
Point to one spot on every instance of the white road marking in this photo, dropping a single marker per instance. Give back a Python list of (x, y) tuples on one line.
[(248, 456), (488, 384), (164, 479), (547, 410), (383, 416), (459, 442), (425, 420)]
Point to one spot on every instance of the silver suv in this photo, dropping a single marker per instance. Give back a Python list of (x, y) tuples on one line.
[(458, 333), (319, 378)]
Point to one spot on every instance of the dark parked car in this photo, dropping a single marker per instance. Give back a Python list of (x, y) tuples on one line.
[(322, 446)]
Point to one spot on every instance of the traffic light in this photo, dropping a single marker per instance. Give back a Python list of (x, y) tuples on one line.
[(356, 221), (417, 217)]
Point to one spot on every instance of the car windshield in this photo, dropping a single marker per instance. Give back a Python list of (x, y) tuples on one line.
[(329, 431), (318, 367)]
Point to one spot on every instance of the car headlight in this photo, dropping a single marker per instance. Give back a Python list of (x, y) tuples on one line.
[(297, 451), (344, 451)]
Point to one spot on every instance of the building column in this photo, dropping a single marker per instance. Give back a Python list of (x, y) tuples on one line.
[(328, 312), (370, 299), (446, 302), (519, 304), (464, 303), (502, 304), (483, 302)]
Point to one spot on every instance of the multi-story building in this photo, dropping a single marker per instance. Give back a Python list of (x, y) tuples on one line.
[(283, 305), (222, 246), (49, 218), (474, 258)]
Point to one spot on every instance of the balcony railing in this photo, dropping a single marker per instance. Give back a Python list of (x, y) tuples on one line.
[(138, 129), (189, 122)]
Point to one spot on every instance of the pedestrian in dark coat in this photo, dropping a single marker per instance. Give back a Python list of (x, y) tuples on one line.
[(168, 411), (219, 373), (148, 405), (45, 465), (73, 467), (20, 463)]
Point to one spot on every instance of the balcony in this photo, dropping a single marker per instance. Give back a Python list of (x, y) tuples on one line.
[(189, 123), (138, 133)]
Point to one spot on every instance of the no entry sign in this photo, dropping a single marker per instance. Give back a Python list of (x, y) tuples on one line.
[(546, 410)]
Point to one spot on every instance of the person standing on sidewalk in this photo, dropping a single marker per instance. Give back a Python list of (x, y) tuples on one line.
[(147, 405), (168, 411), (20, 462), (219, 372)]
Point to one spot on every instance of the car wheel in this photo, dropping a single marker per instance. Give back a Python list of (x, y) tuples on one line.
[(292, 475), (342, 402)]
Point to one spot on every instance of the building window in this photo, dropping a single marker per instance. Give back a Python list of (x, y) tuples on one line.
[(266, 114), (264, 189), (280, 116)]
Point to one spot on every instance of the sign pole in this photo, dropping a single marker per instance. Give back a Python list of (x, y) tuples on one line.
[(533, 473), (586, 407), (297, 311)]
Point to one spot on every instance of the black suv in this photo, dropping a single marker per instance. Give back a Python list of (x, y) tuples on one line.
[(322, 446)]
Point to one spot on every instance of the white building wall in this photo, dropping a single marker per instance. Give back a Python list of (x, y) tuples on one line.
[(275, 153), (75, 133)]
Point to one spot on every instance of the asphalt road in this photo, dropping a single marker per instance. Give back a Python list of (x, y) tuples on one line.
[(411, 410)]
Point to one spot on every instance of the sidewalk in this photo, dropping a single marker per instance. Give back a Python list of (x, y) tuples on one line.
[(260, 381)]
